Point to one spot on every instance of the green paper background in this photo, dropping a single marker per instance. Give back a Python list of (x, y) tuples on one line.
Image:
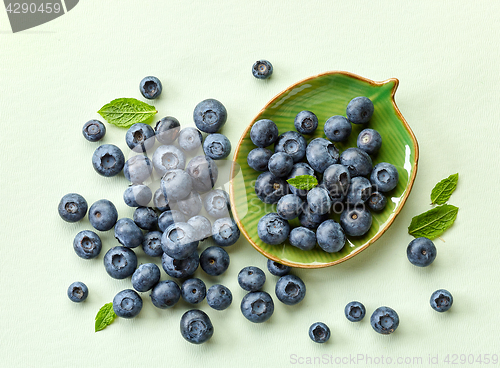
[(53, 78)]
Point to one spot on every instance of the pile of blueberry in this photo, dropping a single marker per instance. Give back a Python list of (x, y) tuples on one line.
[(348, 180)]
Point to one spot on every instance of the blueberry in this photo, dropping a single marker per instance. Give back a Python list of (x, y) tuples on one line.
[(370, 141), (217, 146), (176, 184), (309, 219), (337, 128), (357, 161), (209, 116), (262, 69), (292, 143), (168, 218), (108, 160), (336, 180), (93, 130), (138, 169), (128, 233), (87, 244), (257, 306), (78, 292), (140, 137), (120, 262), (272, 229), (277, 269), (165, 294), (441, 300), (299, 169), (354, 311), (203, 172), (280, 164), (384, 177), (137, 195), (251, 278), (168, 157), (145, 277), (377, 201), (319, 332), (127, 303), (151, 245), (216, 203), (306, 122), (214, 261), (321, 153), (290, 289), (269, 188), (263, 133), (225, 232), (150, 87), (384, 320), (167, 130), (258, 158), (190, 139), (179, 240), (359, 110), (289, 206), (318, 201), (359, 190), (191, 205), (146, 218), (421, 252), (103, 215), (219, 297), (72, 207), (202, 227), (180, 268), (356, 221), (196, 326), (330, 236), (302, 238), (193, 291), (160, 202)]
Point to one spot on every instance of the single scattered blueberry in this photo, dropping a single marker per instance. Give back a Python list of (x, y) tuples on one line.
[(225, 232), (72, 207), (330, 236), (272, 229), (377, 201), (336, 180), (216, 203), (384, 320), (202, 227), (160, 202), (191, 205), (150, 87), (356, 221), (168, 218), (251, 278), (360, 110), (306, 122), (337, 128), (176, 184), (128, 233), (193, 291), (78, 292), (300, 168), (217, 146), (302, 238), (277, 269), (137, 195), (214, 261), (292, 143), (203, 172), (103, 215), (146, 218), (140, 137), (179, 240), (319, 332), (168, 157), (138, 169), (280, 164), (196, 326), (120, 262), (441, 300), (384, 177), (263, 133), (180, 268), (145, 277), (219, 297), (319, 201), (165, 294), (262, 69), (127, 303), (93, 130), (359, 191), (421, 252), (354, 311), (258, 158), (290, 289), (190, 139), (370, 141), (151, 245), (257, 306), (357, 161), (108, 160), (167, 130), (289, 206), (209, 116), (311, 220), (269, 188), (87, 244)]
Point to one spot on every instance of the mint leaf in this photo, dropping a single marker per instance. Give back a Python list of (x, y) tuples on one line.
[(443, 190), (303, 182), (124, 112), (433, 223), (104, 317)]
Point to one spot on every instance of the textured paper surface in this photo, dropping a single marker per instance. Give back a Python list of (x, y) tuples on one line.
[(55, 77)]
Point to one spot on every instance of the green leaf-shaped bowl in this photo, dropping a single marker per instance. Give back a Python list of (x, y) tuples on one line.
[(326, 95)]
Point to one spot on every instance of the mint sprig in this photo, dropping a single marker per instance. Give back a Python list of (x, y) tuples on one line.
[(104, 317), (434, 222), (443, 190), (124, 112), (305, 182)]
